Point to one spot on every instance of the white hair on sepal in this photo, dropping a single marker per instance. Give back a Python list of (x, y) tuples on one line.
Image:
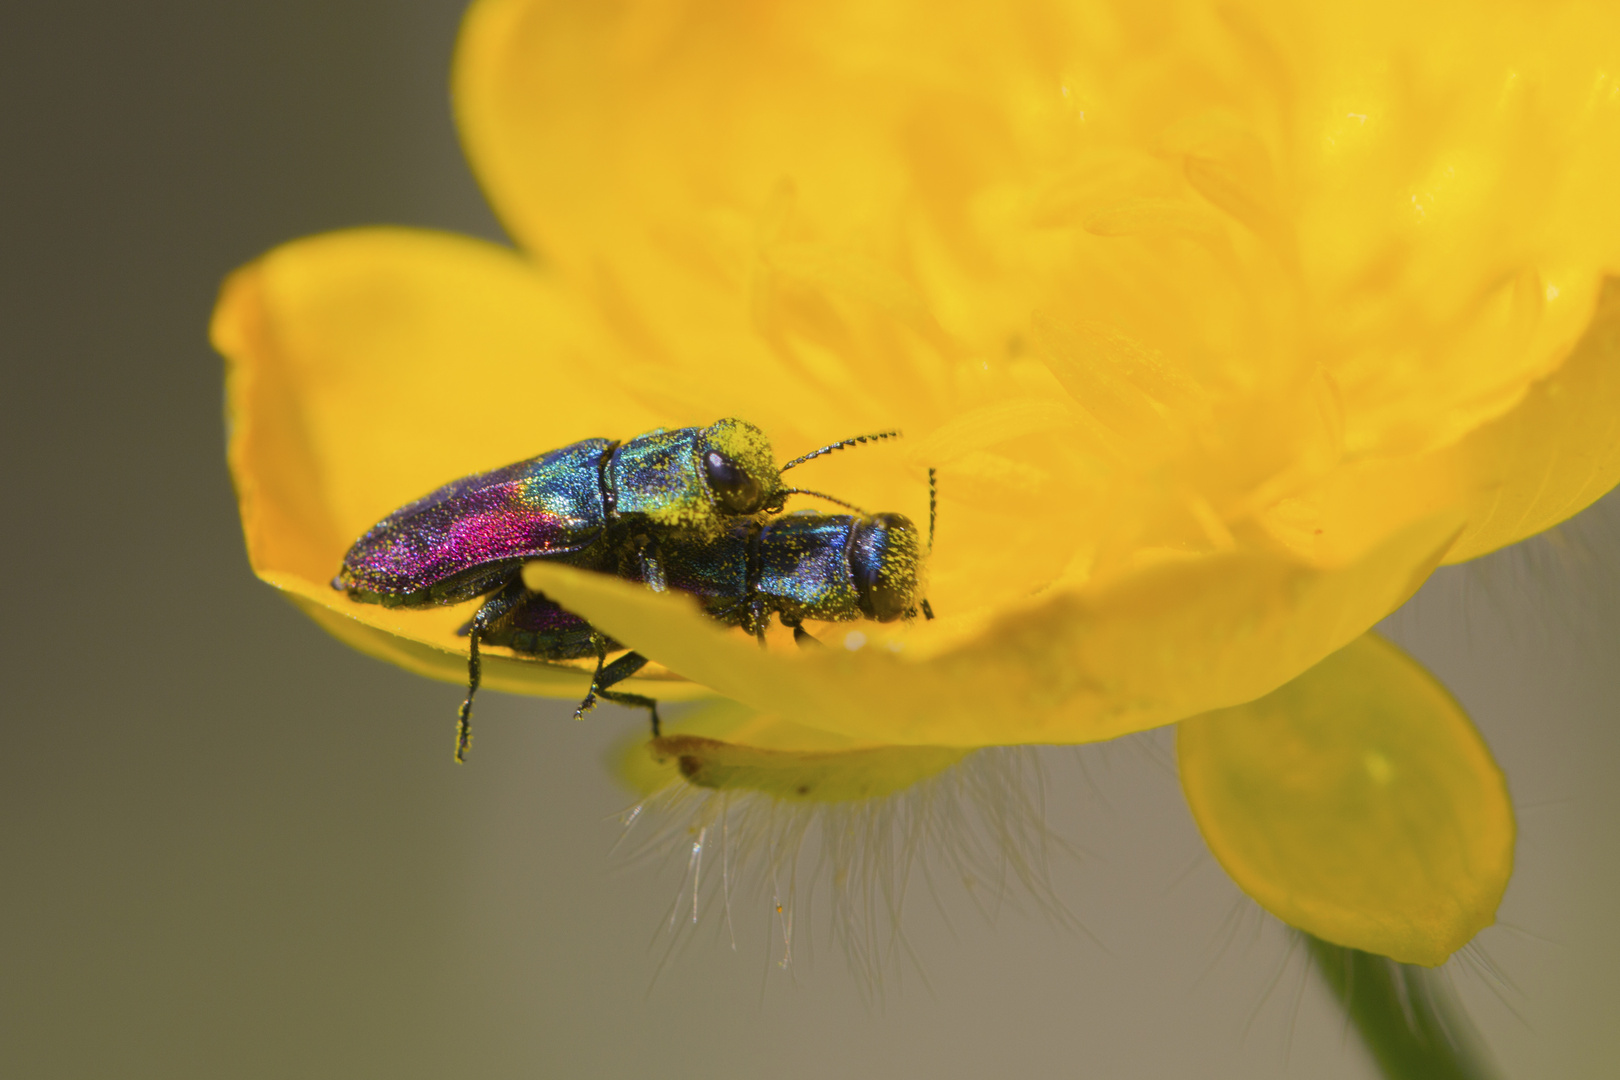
[(980, 827)]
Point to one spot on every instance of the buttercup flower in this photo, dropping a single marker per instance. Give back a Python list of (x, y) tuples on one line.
[(1222, 324)]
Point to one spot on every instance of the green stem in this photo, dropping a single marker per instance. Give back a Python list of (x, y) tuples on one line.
[(1408, 1017)]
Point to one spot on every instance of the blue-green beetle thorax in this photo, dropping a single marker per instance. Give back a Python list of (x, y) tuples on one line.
[(804, 566), (838, 567)]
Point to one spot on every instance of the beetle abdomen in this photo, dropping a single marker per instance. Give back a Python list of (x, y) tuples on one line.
[(538, 627), (460, 540)]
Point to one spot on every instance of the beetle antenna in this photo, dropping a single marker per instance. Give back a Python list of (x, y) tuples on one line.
[(927, 608), (839, 445), (806, 491), (932, 500)]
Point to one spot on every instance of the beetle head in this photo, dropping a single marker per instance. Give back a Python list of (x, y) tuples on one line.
[(739, 467), (884, 560)]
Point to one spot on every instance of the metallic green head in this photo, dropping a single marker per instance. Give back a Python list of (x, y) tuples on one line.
[(699, 479)]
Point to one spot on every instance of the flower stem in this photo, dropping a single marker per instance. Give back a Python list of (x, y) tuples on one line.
[(1410, 1020)]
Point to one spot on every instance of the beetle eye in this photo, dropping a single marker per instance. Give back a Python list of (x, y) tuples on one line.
[(736, 491)]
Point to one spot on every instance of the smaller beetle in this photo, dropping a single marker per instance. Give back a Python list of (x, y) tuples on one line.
[(804, 565)]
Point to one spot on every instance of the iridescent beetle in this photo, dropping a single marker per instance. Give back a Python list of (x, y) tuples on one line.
[(598, 504), (804, 565)]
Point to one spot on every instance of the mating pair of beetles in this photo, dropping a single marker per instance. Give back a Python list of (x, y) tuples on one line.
[(698, 510)]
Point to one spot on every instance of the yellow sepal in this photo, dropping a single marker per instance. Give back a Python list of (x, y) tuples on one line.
[(1357, 803)]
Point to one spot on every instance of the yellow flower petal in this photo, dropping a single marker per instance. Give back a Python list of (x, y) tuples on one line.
[(1556, 453), (400, 646), (1216, 320), (1416, 201), (1136, 281), (1551, 456), (730, 747), (368, 367), (1357, 803), (800, 775), (1161, 644)]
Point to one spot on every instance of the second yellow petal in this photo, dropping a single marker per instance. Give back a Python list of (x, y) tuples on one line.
[(1164, 643)]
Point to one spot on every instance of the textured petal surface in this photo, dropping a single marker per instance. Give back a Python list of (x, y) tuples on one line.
[(1545, 460), (1146, 283), (1218, 322), (368, 367), (1357, 803), (1205, 223), (1162, 644), (1556, 453)]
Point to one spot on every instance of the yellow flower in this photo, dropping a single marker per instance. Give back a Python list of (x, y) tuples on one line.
[(1223, 325)]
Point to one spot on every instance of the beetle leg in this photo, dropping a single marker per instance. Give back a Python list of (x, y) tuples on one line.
[(510, 595), (803, 638), (616, 672), (758, 619), (599, 643), (651, 565), (621, 669), (637, 701)]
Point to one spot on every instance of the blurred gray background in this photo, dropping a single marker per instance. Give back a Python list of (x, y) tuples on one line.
[(233, 848)]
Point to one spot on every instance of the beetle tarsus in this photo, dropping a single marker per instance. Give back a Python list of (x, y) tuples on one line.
[(608, 675), (464, 714), (585, 706), (635, 701), (475, 671), (503, 601)]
